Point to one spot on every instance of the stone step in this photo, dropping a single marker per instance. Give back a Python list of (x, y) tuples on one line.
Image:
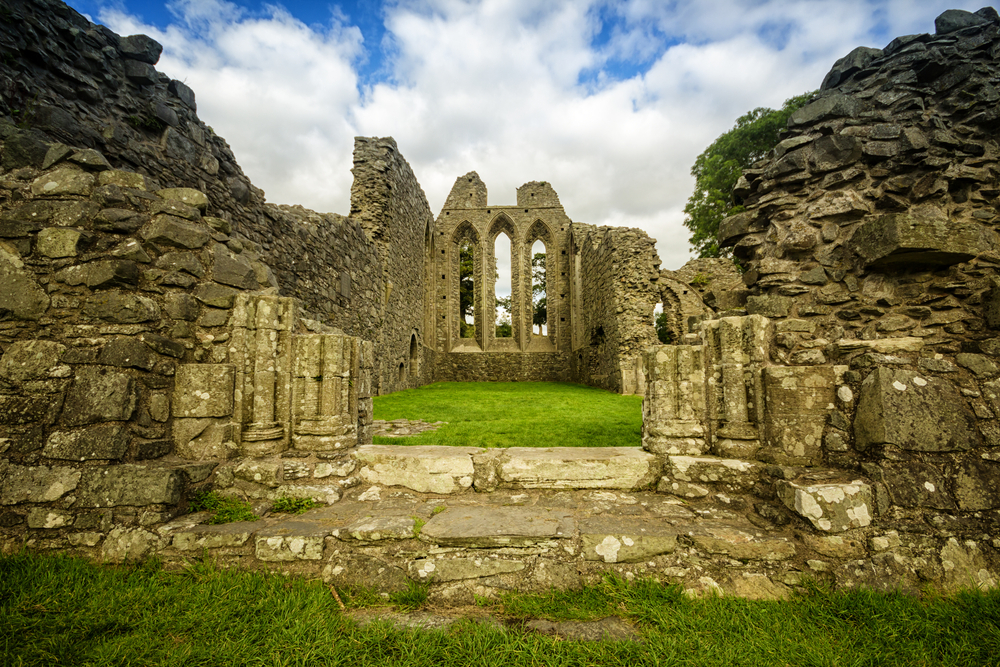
[(441, 469)]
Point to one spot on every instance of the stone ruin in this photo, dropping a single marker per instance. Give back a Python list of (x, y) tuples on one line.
[(828, 414)]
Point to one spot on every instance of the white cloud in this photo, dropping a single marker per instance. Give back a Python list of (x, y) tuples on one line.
[(495, 86)]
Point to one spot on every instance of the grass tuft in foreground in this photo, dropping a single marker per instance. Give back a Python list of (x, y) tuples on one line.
[(57, 610), (516, 414)]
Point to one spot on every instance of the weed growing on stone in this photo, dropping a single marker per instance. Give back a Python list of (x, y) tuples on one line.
[(60, 610), (225, 509), (289, 505), (515, 414), (418, 525)]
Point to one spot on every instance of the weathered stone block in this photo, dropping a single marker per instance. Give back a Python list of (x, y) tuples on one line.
[(457, 569), (65, 181), (377, 528), (204, 439), (124, 544), (916, 484), (99, 394), (30, 360), (17, 410), (902, 408), (498, 526), (35, 484), (977, 485), (290, 541), (189, 196), (231, 269), (215, 295), (741, 545), (422, 468), (48, 518), (121, 308), (22, 298), (900, 239), (797, 400), (197, 538), (769, 305), (104, 441), (625, 540), (829, 507), (123, 179), (172, 231), (102, 274), (182, 306), (577, 468), (204, 390), (129, 485), (56, 242), (127, 352), (735, 474)]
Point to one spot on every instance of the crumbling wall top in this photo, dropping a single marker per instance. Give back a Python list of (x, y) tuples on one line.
[(469, 191), (537, 193)]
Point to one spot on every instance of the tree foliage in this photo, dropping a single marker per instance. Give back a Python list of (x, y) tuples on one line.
[(539, 310), (466, 290), (718, 168), (662, 327)]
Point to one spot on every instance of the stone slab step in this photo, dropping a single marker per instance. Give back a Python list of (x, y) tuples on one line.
[(498, 526)]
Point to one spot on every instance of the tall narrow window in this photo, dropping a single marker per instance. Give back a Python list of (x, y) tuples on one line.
[(539, 310), (467, 290), (503, 289)]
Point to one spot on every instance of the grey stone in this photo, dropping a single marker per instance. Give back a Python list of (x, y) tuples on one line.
[(625, 539), (977, 485), (182, 306), (576, 468), (131, 250), (259, 472), (916, 484), (481, 527), (181, 261), (90, 159), (831, 106), (30, 360), (36, 484), (189, 196), (902, 408), (118, 220), (979, 364), (165, 114), (18, 410), (204, 390), (23, 149), (377, 528), (48, 518), (421, 468), (56, 242), (952, 20), (169, 230), (291, 541), (103, 274), (163, 345), (99, 394), (64, 181), (900, 239), (198, 538), (217, 296), (127, 352), (123, 544), (22, 297), (121, 307), (123, 179), (142, 74), (183, 93), (458, 569), (129, 485), (740, 544), (140, 47), (104, 441), (857, 59), (829, 507), (176, 208), (769, 305), (230, 269)]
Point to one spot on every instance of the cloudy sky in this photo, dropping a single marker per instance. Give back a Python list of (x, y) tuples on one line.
[(609, 101)]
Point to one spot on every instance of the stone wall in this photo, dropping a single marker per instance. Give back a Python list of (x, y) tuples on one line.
[(70, 81)]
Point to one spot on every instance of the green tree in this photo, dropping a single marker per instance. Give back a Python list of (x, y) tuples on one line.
[(718, 168), (663, 329), (539, 315), (504, 329), (466, 290)]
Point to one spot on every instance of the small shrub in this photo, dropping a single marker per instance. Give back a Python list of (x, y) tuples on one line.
[(418, 525), (224, 509), (293, 505)]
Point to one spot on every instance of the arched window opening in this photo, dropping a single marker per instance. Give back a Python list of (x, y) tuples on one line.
[(663, 325), (414, 356), (467, 290), (402, 372), (504, 286), (539, 308)]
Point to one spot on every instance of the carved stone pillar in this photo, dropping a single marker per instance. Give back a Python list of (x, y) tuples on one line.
[(737, 348), (673, 420), (261, 352), (324, 396)]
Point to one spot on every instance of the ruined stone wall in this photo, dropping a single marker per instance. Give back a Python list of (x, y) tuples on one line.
[(71, 81), (504, 367), (616, 275), (870, 240)]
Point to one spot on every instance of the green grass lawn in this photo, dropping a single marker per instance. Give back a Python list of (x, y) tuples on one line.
[(516, 414), (65, 611)]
